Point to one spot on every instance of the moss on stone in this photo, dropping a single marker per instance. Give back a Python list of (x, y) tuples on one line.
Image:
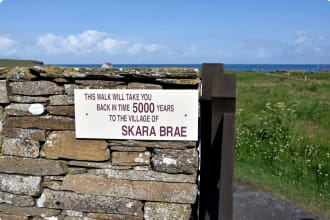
[(28, 73), (180, 81), (4, 72), (53, 71)]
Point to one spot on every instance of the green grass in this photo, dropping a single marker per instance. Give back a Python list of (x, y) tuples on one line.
[(283, 136), (15, 62)]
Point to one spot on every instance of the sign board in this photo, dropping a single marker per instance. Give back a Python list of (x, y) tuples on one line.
[(136, 114)]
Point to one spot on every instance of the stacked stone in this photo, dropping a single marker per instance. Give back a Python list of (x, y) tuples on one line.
[(46, 173)]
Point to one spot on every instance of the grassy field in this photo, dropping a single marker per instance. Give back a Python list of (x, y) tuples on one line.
[(13, 63), (283, 136)]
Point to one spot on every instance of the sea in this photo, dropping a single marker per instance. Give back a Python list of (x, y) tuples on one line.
[(238, 67)]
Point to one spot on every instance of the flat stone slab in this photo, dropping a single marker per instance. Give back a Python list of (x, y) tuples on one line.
[(12, 217), (16, 200), (28, 99), (89, 203), (61, 100), (131, 158), (67, 110), (3, 92), (128, 149), (100, 84), (140, 190), (42, 122), (23, 109), (19, 74), (24, 185), (35, 88), (20, 147), (135, 85), (144, 175), (35, 167), (28, 211), (155, 144), (23, 133), (1, 125), (187, 82), (63, 144), (90, 164), (112, 216), (175, 161), (156, 211)]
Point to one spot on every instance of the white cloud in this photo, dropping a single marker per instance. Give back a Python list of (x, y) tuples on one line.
[(318, 49), (92, 41), (307, 47), (1, 1), (300, 38), (109, 45), (224, 53), (141, 48), (261, 53), (96, 46), (7, 45), (86, 42), (191, 51)]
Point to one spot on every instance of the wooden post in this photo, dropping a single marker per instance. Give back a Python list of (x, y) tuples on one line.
[(217, 143)]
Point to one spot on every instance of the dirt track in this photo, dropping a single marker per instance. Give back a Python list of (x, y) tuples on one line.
[(252, 204)]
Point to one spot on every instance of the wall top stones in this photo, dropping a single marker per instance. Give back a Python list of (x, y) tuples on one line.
[(24, 73)]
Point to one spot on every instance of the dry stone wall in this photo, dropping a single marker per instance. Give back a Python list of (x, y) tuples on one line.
[(46, 173)]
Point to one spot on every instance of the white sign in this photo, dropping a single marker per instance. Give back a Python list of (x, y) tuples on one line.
[(136, 114)]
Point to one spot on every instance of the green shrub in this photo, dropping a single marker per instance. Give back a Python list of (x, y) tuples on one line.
[(269, 141)]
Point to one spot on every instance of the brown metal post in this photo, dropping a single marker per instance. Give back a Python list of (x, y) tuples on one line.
[(217, 143)]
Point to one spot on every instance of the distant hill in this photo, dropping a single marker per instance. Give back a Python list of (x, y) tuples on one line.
[(15, 62)]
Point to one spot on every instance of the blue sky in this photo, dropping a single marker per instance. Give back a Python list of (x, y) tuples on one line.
[(171, 31)]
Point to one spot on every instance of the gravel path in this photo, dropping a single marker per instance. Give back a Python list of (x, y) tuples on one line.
[(252, 204)]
